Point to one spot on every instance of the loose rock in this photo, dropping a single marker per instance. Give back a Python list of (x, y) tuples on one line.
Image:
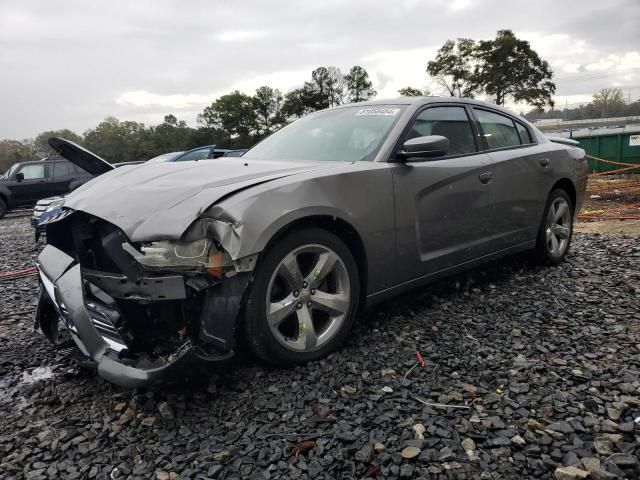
[(468, 444), (545, 372), (410, 452), (570, 473)]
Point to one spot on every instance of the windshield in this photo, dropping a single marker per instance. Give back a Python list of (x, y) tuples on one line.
[(344, 134), (9, 172), (164, 157)]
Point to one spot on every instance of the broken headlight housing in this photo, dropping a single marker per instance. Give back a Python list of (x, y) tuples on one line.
[(198, 254)]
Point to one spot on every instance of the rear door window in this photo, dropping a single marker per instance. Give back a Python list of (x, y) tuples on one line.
[(499, 130), (450, 122), (77, 170), (62, 169)]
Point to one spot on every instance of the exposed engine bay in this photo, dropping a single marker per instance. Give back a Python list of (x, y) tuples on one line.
[(150, 303)]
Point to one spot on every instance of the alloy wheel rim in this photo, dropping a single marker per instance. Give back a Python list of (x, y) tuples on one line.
[(558, 231), (308, 297)]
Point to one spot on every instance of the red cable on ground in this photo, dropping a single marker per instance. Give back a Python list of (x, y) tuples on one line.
[(420, 359), (26, 272), (16, 272)]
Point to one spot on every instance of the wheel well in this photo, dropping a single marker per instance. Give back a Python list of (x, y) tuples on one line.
[(5, 200), (343, 230), (567, 185)]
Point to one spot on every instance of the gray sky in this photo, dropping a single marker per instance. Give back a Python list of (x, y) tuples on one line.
[(69, 64)]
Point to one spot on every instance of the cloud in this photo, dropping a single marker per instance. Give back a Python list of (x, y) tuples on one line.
[(284, 81), (400, 68), (73, 63), (460, 4), (238, 35), (142, 98)]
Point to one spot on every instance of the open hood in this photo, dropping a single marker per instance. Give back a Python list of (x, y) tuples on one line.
[(79, 156)]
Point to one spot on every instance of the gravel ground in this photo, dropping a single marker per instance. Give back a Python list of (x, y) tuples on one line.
[(543, 364)]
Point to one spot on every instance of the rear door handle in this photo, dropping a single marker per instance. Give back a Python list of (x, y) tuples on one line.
[(485, 177), (545, 162)]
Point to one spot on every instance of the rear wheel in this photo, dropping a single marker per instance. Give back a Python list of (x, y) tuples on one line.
[(304, 298), (3, 208), (556, 229)]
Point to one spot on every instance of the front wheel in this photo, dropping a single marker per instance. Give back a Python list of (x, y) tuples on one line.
[(3, 208), (556, 229), (304, 298)]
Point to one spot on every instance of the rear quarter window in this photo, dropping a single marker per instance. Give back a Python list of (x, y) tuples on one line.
[(525, 136)]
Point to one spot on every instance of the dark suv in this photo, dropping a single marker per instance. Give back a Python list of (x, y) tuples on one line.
[(27, 182)]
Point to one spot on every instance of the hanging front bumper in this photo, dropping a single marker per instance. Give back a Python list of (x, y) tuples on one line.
[(62, 304)]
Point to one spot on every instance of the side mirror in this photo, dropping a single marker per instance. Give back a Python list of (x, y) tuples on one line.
[(422, 148), (19, 176)]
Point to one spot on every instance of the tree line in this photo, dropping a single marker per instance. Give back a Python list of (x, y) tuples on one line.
[(498, 69)]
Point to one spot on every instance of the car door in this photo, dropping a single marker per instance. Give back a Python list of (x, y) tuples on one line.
[(63, 175), (443, 206), (521, 169), (34, 183), (80, 177)]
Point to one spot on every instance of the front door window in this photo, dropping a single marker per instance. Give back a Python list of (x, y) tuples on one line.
[(32, 172), (449, 122)]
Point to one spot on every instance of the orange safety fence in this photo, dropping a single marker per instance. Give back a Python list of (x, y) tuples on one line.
[(626, 167), (597, 185)]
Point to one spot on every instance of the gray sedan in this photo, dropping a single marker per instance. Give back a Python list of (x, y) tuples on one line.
[(157, 270)]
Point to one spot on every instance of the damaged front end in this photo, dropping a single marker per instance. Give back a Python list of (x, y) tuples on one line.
[(143, 312)]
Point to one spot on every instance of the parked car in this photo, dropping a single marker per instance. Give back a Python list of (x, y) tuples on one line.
[(236, 153), (27, 182), (158, 272), (199, 153), (49, 207), (165, 157)]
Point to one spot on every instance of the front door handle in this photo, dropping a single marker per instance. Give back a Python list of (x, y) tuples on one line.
[(485, 177), (545, 162)]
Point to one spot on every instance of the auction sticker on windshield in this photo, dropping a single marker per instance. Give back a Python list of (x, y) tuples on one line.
[(377, 111)]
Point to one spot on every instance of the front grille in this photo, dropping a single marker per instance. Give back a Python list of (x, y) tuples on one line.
[(105, 317), (101, 321)]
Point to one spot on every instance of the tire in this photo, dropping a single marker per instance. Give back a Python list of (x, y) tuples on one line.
[(556, 231), (3, 208), (291, 277)]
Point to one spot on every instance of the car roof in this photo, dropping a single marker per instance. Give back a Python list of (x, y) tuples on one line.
[(31, 162), (208, 146), (417, 101)]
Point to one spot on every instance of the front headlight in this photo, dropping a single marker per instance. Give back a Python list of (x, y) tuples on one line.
[(176, 253), (55, 204)]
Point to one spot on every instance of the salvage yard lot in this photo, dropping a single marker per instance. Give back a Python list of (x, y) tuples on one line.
[(547, 360)]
